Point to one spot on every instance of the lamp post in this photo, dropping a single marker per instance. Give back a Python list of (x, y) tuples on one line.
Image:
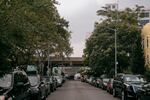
[(116, 62), (48, 65)]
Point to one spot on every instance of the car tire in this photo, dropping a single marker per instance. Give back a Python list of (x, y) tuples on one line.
[(114, 92), (124, 96)]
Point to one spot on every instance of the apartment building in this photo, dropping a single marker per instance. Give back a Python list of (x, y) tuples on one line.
[(146, 43), (145, 17)]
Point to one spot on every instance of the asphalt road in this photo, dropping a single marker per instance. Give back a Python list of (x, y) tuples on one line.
[(76, 90)]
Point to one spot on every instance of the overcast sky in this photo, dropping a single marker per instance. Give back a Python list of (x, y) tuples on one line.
[(81, 15)]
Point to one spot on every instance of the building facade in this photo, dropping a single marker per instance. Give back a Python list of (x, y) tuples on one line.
[(145, 17), (112, 6), (146, 43)]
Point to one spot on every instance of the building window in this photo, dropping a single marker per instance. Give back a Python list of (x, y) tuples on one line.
[(143, 43), (147, 59), (147, 42), (143, 22), (144, 15)]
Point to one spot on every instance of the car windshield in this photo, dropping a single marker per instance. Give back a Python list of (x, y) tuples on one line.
[(33, 80), (132, 79), (5, 80)]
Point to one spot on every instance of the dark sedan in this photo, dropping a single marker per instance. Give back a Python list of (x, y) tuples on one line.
[(126, 86), (38, 88), (14, 86), (47, 81)]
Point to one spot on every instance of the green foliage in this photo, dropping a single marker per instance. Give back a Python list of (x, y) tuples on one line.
[(137, 63), (99, 53), (147, 74), (28, 28)]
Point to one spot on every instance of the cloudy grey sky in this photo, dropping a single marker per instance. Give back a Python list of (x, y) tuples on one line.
[(81, 15)]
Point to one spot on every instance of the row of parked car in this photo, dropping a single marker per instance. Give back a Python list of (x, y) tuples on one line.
[(21, 85), (126, 86)]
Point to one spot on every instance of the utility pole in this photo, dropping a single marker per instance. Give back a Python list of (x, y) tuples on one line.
[(116, 60)]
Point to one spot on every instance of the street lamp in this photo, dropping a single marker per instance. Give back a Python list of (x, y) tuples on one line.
[(116, 62)]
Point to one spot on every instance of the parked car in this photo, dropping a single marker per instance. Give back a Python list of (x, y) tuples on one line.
[(59, 80), (94, 81), (38, 87), (91, 79), (103, 83), (88, 80), (98, 80), (126, 86), (83, 79), (144, 92), (47, 81), (54, 82), (110, 86), (14, 86)]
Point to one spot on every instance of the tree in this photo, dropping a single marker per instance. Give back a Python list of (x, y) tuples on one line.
[(29, 28), (100, 47)]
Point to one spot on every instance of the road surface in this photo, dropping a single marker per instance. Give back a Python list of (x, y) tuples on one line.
[(76, 90)]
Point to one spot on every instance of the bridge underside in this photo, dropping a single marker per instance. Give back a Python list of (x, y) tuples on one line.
[(66, 62)]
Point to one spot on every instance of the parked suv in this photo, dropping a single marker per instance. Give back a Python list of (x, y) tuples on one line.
[(38, 87), (47, 82), (14, 86), (126, 85)]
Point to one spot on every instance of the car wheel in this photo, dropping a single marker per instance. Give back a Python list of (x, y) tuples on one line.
[(114, 92), (123, 96)]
